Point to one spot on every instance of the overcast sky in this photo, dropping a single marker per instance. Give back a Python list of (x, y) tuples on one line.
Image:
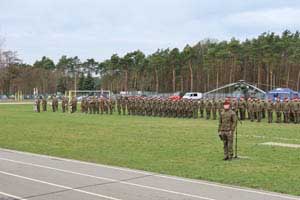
[(98, 28)]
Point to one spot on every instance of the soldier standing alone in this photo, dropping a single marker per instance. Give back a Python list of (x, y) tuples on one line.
[(226, 129)]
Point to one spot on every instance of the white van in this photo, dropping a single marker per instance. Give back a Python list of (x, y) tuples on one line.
[(192, 95)]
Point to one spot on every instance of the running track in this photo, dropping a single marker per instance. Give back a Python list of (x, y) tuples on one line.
[(31, 176)]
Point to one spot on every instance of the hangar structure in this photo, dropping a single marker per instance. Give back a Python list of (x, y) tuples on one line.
[(237, 90)]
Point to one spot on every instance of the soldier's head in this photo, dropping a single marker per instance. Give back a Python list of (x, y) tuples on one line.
[(226, 105), (286, 99)]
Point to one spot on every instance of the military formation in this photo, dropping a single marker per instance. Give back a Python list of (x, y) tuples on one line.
[(253, 109)]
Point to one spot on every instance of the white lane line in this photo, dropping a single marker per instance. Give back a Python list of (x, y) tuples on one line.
[(12, 196), (232, 188), (279, 144), (60, 186), (80, 162), (109, 179), (162, 176)]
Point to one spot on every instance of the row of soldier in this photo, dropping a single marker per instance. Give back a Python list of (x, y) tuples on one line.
[(252, 109)]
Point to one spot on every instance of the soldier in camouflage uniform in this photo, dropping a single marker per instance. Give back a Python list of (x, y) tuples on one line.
[(83, 105), (278, 110), (111, 106), (119, 105), (251, 105), (97, 110), (220, 107), (106, 106), (54, 103), (201, 107), (258, 109), (264, 108), (64, 104), (226, 129), (113, 103), (101, 105), (234, 106), (270, 109), (294, 110), (242, 108), (208, 107), (298, 110), (190, 108), (214, 109), (44, 104), (124, 102), (286, 111), (73, 104), (38, 104), (90, 105), (195, 109)]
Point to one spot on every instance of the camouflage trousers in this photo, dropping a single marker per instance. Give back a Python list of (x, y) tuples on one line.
[(242, 114), (214, 111), (227, 138), (44, 108), (119, 109), (63, 108), (195, 113), (207, 114), (278, 117), (286, 116), (53, 108), (201, 113), (251, 115), (270, 116), (258, 115), (295, 117)]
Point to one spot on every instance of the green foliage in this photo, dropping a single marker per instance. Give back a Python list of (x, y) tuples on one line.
[(89, 83), (45, 63), (81, 82), (61, 85)]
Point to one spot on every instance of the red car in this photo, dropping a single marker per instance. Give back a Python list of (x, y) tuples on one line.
[(175, 97)]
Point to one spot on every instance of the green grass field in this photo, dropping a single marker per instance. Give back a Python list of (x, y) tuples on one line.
[(182, 147)]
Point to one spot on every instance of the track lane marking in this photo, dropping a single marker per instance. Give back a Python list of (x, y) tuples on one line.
[(158, 175), (57, 185), (13, 196), (109, 179), (233, 188)]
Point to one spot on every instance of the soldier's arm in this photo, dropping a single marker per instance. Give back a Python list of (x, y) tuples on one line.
[(220, 123)]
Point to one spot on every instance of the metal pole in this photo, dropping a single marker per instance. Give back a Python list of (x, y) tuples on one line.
[(236, 142), (75, 84)]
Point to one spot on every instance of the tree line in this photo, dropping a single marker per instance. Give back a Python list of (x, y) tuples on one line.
[(267, 61)]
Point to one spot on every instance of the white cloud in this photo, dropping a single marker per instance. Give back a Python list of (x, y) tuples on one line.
[(100, 28), (273, 18)]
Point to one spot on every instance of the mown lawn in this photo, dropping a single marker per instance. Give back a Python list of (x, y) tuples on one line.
[(182, 147)]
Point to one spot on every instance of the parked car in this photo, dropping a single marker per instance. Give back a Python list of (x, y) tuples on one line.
[(3, 97), (174, 97), (192, 95)]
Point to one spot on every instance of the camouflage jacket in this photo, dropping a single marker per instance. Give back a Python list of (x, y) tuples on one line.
[(227, 121)]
